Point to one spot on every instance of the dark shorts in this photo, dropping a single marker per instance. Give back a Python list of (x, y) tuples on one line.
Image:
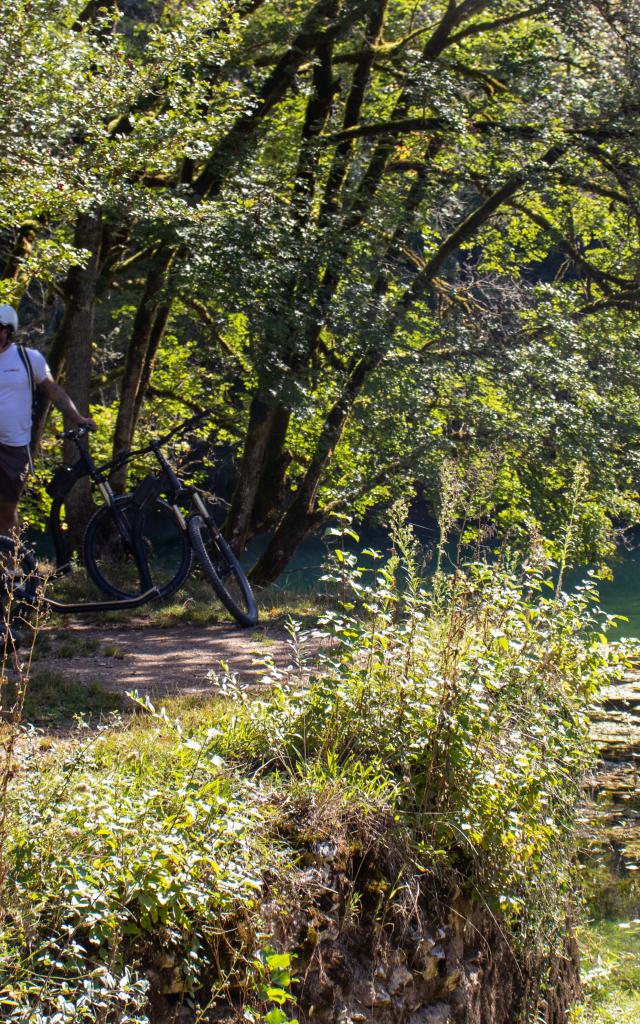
[(14, 463)]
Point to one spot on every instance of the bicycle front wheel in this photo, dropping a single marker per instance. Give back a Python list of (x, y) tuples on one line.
[(223, 570), (157, 547)]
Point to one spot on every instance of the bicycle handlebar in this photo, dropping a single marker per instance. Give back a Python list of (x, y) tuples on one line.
[(75, 433), (126, 456)]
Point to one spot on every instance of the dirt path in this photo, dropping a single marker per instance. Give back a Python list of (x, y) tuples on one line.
[(158, 661)]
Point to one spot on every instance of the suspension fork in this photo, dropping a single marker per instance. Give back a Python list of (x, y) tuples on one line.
[(176, 487), (202, 510)]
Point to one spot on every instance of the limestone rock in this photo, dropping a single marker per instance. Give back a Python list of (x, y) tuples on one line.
[(436, 1013), (400, 979), (452, 980), (173, 982), (430, 970), (374, 994)]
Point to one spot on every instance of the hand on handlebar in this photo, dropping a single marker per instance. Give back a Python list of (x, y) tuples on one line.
[(84, 425)]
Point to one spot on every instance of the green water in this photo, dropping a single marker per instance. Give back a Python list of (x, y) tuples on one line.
[(619, 596)]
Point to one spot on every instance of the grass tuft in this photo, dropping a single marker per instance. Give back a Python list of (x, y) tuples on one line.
[(55, 699)]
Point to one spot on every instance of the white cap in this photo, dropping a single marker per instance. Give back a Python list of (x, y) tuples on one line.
[(9, 317)]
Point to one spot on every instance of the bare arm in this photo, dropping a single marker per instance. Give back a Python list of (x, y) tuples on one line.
[(59, 397)]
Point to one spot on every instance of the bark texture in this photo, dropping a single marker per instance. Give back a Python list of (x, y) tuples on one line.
[(75, 340), (148, 329)]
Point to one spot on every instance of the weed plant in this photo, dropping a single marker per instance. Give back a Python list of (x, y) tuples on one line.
[(611, 958), (448, 722), (468, 701)]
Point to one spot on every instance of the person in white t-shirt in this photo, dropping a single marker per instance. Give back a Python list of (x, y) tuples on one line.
[(15, 414)]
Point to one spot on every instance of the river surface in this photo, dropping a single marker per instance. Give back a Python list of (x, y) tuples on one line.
[(618, 596)]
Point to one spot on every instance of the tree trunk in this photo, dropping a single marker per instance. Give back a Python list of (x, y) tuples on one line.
[(303, 516), (157, 334), (260, 492), (296, 525), (263, 452), (14, 266), (148, 328), (75, 339)]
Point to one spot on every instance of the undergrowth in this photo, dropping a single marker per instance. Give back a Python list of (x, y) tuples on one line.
[(195, 603), (445, 724), (611, 973)]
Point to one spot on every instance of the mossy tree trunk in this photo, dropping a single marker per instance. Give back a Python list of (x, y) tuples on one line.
[(148, 329), (74, 345)]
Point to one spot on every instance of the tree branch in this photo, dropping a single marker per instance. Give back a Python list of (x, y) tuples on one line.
[(353, 106), (468, 228), (405, 124), (629, 300), (586, 185), (489, 82), (491, 26), (206, 318), (319, 26), (603, 277), (229, 422)]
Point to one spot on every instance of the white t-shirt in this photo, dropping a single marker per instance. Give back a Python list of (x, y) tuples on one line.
[(15, 394)]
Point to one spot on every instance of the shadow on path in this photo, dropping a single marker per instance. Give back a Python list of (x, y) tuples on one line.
[(159, 661)]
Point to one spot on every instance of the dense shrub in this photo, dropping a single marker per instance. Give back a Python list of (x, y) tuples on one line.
[(455, 712), (469, 698)]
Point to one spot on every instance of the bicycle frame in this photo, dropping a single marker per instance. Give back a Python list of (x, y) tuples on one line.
[(87, 607), (64, 478), (176, 490), (166, 482)]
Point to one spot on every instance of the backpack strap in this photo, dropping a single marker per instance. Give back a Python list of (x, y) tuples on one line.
[(22, 352)]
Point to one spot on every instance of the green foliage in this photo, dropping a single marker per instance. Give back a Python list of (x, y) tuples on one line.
[(611, 973), (119, 851), (310, 253), (451, 694), (272, 977), (452, 716)]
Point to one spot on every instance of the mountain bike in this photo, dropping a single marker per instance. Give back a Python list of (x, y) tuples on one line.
[(136, 548), (161, 560), (23, 583), (164, 515)]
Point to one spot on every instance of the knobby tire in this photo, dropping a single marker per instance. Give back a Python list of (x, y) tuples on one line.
[(105, 554), (222, 569)]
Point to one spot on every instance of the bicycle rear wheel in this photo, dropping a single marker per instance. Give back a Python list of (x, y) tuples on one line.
[(222, 569), (156, 536)]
